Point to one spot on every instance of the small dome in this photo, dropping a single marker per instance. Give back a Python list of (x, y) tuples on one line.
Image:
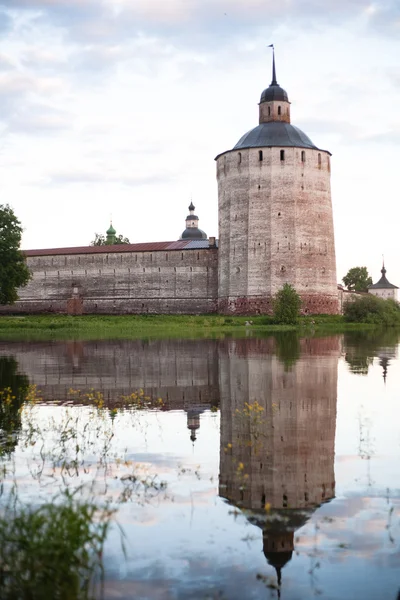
[(193, 233), (111, 230), (274, 92)]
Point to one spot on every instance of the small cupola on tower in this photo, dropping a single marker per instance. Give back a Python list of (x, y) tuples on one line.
[(111, 235), (274, 103), (192, 231)]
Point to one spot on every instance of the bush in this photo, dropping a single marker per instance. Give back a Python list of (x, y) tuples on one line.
[(286, 306), (373, 310)]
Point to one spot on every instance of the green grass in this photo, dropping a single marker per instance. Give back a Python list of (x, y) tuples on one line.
[(158, 326)]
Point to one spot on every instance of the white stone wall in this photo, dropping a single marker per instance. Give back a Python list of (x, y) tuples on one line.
[(275, 226), (386, 294)]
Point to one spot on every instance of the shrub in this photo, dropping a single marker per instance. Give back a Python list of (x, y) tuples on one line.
[(286, 306), (373, 310)]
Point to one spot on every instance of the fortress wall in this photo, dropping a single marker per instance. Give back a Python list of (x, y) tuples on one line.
[(165, 282), (276, 227)]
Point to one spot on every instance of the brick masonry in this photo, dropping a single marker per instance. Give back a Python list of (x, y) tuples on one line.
[(276, 227), (168, 282)]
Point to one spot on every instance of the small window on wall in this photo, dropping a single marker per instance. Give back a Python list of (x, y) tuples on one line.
[(239, 158), (282, 155), (319, 161), (260, 155), (279, 110), (303, 156), (269, 111)]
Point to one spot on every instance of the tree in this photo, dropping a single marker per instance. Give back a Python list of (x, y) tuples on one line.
[(286, 305), (14, 272), (357, 279), (101, 240)]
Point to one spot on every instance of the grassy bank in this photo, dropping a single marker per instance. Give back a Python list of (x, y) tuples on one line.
[(158, 326)]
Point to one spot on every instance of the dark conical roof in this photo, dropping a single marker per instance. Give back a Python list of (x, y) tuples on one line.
[(275, 133), (383, 283)]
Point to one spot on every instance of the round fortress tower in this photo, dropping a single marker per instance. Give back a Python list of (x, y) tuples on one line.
[(275, 215)]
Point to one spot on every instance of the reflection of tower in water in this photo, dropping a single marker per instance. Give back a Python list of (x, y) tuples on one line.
[(277, 435)]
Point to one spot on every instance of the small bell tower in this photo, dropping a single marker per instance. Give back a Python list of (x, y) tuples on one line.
[(274, 103)]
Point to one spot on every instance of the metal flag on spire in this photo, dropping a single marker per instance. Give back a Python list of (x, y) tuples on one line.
[(274, 81)]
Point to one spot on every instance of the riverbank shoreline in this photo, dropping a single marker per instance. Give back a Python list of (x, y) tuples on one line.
[(187, 326)]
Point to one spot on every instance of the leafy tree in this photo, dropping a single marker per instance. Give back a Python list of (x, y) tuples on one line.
[(286, 305), (101, 240), (13, 270), (357, 279)]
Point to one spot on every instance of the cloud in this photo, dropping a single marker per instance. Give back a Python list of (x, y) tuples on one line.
[(385, 137), (6, 64), (113, 21), (19, 92), (6, 21), (384, 17), (38, 119), (100, 176)]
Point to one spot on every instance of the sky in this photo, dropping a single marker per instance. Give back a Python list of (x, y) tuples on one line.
[(117, 109)]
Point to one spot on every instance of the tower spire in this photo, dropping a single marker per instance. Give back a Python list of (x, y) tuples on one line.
[(274, 81)]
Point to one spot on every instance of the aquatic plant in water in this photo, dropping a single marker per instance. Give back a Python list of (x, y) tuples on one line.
[(54, 550), (53, 547)]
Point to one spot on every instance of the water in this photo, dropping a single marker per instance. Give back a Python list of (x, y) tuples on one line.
[(271, 468)]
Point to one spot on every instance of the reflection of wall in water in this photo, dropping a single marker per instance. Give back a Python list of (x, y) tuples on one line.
[(183, 373), (287, 449)]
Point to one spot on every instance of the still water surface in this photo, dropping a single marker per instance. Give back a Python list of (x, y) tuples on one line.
[(271, 468)]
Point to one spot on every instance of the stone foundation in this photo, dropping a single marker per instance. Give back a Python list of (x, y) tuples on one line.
[(259, 305)]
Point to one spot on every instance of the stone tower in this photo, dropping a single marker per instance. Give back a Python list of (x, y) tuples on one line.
[(275, 215)]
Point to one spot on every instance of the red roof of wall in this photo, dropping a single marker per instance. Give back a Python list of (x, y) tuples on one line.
[(118, 248)]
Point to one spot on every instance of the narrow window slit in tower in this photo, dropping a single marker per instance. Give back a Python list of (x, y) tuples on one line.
[(303, 156), (260, 155), (279, 110), (319, 161), (239, 158), (269, 111), (282, 155)]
